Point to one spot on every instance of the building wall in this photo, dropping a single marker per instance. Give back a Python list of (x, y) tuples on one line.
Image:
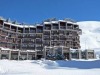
[(50, 34)]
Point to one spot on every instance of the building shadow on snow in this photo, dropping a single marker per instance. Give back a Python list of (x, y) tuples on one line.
[(80, 64)]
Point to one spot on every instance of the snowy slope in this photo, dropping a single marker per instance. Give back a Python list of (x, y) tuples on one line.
[(47, 67), (90, 38)]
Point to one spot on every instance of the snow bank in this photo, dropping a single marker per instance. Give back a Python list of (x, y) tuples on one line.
[(48, 67), (50, 64)]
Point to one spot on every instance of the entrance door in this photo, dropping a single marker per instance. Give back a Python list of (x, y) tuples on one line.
[(39, 56), (66, 55)]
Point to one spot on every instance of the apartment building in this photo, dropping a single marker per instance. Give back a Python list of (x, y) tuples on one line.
[(52, 37)]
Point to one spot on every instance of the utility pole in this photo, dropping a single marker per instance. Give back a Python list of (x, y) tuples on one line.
[(85, 43)]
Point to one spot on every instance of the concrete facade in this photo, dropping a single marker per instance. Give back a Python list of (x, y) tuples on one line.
[(50, 34)]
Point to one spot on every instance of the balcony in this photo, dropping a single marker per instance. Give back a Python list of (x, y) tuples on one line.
[(62, 43), (55, 26), (26, 35), (39, 31), (3, 40), (69, 33), (39, 52), (39, 47), (20, 36), (18, 41), (12, 35), (76, 27), (32, 36), (1, 25), (38, 36), (20, 30), (55, 43), (54, 37), (46, 32), (4, 33), (31, 46), (10, 40), (28, 41), (46, 43), (69, 26), (26, 31), (46, 37), (32, 31), (14, 30), (62, 27), (7, 28), (69, 39), (54, 32), (62, 32), (39, 41), (28, 48), (47, 26), (62, 38)]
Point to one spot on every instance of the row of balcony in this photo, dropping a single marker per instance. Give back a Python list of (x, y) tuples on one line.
[(62, 27), (39, 30), (30, 36), (28, 47), (46, 28)]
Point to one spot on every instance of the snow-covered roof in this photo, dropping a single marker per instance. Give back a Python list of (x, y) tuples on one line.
[(28, 25), (62, 20), (47, 22), (18, 25), (54, 21)]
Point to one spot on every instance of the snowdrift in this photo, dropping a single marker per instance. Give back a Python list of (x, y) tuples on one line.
[(48, 67)]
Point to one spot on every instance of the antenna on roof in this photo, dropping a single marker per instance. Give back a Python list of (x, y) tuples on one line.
[(8, 20), (50, 19), (71, 20), (14, 22)]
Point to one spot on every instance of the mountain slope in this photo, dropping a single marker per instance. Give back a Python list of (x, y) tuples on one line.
[(90, 38)]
